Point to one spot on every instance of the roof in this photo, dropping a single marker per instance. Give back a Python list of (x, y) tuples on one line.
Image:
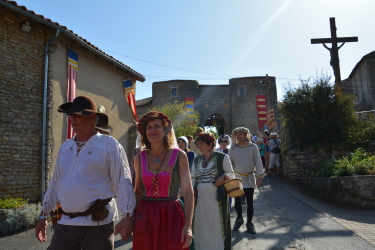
[(369, 55), (251, 77), (63, 29), (146, 101), (213, 85), (177, 80)]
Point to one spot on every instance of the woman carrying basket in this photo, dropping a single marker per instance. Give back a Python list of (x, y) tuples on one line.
[(245, 159), (211, 224)]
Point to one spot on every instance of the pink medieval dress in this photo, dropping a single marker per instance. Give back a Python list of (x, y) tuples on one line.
[(159, 217)]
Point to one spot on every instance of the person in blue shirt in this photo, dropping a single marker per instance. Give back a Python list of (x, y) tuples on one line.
[(183, 145)]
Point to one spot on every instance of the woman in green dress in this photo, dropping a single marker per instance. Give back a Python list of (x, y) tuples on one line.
[(211, 224)]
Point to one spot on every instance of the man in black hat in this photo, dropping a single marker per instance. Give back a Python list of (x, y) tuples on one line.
[(91, 170)]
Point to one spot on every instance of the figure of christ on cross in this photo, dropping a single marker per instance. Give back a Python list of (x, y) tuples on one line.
[(335, 62)]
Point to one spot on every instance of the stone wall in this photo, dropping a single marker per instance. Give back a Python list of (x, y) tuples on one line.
[(300, 163), (361, 81), (216, 96), (223, 100), (348, 191), (131, 142), (142, 110), (21, 101), (162, 91), (244, 112)]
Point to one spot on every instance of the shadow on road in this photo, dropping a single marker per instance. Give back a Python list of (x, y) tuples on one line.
[(120, 242), (283, 221)]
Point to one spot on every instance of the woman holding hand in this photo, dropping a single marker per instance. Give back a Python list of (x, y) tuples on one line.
[(160, 218)]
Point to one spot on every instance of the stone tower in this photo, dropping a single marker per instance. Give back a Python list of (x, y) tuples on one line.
[(232, 105)]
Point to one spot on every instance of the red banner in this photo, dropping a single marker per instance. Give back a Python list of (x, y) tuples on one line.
[(262, 110), (72, 78)]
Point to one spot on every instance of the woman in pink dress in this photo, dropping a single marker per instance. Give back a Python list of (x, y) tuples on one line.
[(161, 220)]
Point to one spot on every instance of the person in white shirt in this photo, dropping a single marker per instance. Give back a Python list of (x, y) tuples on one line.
[(245, 160), (91, 170)]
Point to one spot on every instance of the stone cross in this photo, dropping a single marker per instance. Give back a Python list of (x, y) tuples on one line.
[(335, 62)]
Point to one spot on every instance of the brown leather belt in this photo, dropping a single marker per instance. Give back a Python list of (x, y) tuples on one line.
[(88, 211)]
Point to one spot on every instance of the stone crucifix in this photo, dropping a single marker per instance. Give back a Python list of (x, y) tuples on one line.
[(334, 50)]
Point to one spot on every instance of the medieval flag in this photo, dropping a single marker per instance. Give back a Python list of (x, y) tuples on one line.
[(129, 94), (189, 103), (262, 110), (72, 78)]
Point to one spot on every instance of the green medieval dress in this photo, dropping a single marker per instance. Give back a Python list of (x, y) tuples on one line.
[(211, 225)]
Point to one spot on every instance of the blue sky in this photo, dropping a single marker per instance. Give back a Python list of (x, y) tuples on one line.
[(213, 41)]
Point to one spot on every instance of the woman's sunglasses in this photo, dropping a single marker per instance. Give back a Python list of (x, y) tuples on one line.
[(223, 141)]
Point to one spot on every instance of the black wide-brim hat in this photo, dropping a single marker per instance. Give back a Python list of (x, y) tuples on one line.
[(84, 105)]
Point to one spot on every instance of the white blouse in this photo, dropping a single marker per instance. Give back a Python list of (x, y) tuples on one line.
[(99, 171), (207, 174)]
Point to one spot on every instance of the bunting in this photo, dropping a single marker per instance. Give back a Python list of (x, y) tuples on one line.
[(72, 78), (129, 94)]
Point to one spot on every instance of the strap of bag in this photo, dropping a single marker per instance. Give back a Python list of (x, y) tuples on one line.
[(276, 142)]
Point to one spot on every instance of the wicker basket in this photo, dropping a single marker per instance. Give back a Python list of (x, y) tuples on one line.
[(234, 187)]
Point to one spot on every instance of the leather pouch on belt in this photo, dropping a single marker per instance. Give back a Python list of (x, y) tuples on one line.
[(99, 211)]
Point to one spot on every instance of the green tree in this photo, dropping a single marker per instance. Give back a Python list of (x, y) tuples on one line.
[(184, 123), (316, 112), (213, 131)]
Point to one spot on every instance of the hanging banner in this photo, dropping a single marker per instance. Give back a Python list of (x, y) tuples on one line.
[(129, 94), (72, 77), (189, 103), (262, 110)]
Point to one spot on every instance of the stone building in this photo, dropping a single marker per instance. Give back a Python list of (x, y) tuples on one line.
[(23, 38), (361, 83), (229, 106)]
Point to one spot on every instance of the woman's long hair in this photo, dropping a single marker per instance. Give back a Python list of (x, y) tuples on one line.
[(168, 138)]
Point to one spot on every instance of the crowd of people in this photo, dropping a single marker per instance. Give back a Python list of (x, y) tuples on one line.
[(172, 196)]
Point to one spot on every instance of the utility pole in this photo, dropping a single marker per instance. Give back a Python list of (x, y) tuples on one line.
[(270, 126), (268, 93), (334, 50)]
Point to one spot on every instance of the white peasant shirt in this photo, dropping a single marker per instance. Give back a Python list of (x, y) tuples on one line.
[(99, 171), (246, 159)]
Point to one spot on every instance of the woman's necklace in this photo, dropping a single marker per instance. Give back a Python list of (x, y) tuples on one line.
[(205, 162), (157, 160)]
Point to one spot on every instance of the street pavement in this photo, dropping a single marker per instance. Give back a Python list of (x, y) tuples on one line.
[(283, 218)]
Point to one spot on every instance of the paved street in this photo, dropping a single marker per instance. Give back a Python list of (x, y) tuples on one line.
[(284, 219)]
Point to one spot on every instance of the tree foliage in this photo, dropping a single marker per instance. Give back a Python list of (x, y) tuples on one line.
[(214, 131), (184, 123), (357, 163), (316, 112)]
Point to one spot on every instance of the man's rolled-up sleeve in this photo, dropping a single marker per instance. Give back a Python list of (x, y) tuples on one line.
[(121, 180)]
